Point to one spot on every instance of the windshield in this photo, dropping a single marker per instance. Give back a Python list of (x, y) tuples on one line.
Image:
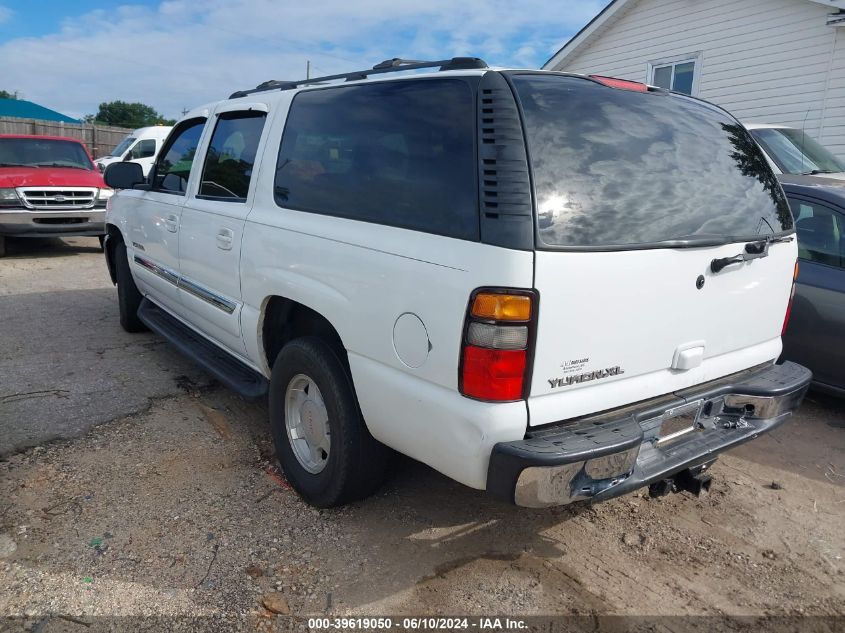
[(43, 152), (618, 168), (124, 145), (796, 153)]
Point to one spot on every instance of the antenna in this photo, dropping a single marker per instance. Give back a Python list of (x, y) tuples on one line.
[(803, 137)]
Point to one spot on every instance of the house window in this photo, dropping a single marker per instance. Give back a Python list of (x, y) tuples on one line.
[(679, 74)]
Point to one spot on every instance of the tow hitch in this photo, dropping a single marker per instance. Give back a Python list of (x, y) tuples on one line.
[(693, 481)]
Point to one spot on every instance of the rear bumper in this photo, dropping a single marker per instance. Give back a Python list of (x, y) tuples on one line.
[(606, 455), (23, 223)]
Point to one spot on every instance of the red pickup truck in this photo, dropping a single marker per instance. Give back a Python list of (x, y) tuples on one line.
[(49, 186)]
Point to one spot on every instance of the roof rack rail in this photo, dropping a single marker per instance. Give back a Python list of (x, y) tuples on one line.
[(387, 66)]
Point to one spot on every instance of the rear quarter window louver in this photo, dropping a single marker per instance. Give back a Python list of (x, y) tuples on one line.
[(503, 180)]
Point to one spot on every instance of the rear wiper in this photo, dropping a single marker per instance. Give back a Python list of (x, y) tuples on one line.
[(694, 241), (752, 250)]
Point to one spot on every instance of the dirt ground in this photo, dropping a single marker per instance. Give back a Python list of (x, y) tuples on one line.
[(177, 509)]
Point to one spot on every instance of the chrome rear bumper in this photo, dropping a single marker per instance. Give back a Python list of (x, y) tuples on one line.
[(606, 455)]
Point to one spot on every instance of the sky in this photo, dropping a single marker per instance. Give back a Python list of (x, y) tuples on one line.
[(176, 54)]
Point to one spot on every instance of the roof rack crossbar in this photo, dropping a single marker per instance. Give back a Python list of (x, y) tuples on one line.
[(387, 66)]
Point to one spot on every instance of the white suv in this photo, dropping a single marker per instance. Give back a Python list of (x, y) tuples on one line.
[(550, 286)]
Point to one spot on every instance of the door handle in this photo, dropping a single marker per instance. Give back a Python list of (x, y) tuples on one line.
[(225, 237), (172, 223)]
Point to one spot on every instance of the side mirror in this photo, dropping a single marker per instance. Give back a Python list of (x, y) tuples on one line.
[(124, 175)]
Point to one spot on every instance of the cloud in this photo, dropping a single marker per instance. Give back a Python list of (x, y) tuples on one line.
[(182, 53), (5, 14)]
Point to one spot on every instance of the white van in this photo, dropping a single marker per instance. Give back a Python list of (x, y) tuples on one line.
[(141, 146)]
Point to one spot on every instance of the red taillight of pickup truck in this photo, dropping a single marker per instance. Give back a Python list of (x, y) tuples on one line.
[(496, 346)]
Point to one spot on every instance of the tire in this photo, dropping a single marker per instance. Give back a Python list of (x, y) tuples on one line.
[(102, 239), (128, 296), (2, 245), (355, 464)]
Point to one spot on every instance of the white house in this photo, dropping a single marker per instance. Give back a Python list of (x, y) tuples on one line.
[(771, 61)]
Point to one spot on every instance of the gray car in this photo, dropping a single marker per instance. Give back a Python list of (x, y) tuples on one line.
[(815, 335)]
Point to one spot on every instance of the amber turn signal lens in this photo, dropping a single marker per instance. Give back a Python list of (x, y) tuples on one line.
[(502, 307), (795, 273)]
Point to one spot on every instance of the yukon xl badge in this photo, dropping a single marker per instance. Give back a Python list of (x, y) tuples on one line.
[(585, 377)]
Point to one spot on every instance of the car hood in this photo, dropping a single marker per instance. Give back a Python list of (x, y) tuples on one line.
[(50, 177)]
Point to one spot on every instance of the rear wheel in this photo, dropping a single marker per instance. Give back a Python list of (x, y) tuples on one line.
[(325, 449), (128, 296)]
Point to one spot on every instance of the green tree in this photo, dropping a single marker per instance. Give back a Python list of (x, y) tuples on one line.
[(123, 114), (8, 95)]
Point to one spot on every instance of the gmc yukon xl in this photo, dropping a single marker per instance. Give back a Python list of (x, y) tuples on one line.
[(550, 286)]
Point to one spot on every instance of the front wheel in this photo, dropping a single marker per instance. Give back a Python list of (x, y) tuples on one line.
[(128, 296), (325, 449)]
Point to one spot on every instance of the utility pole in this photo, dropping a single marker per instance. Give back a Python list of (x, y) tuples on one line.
[(308, 69), (185, 111)]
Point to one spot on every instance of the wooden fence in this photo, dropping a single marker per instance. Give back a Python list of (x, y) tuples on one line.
[(100, 139)]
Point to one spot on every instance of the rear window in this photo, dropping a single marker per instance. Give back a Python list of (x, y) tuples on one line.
[(400, 153), (618, 168)]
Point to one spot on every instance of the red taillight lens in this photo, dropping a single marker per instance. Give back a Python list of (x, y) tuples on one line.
[(493, 374), (622, 84), (791, 299), (788, 313), (497, 338)]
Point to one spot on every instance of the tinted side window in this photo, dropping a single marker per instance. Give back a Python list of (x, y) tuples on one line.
[(820, 232), (400, 153), (174, 165), (143, 149), (231, 155)]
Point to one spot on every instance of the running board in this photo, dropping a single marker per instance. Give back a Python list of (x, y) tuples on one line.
[(227, 369)]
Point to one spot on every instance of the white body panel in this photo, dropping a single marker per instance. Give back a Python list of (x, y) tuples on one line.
[(210, 241), (153, 234), (211, 266), (365, 276), (635, 309), (771, 60)]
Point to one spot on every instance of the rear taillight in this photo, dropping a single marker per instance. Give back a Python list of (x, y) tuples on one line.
[(498, 335), (791, 299)]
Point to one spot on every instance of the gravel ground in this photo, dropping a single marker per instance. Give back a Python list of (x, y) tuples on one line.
[(175, 509)]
